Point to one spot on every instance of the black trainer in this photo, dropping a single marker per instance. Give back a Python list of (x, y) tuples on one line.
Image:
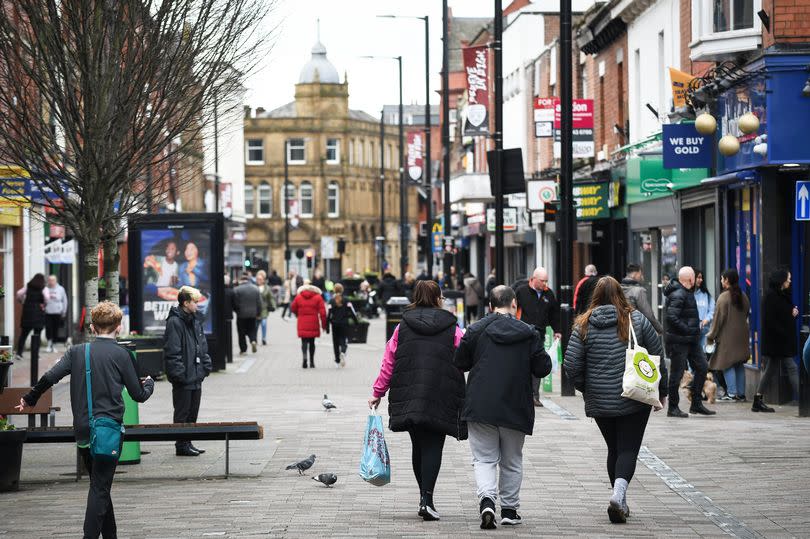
[(487, 508), (676, 412), (186, 451), (699, 409), (197, 449), (510, 517), (426, 509)]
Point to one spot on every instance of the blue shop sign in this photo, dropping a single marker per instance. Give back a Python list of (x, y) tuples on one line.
[(684, 147)]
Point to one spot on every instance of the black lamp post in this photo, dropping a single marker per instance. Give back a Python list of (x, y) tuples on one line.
[(381, 237), (448, 256), (497, 136)]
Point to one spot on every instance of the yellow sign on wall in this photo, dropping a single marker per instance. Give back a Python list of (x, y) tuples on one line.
[(680, 84), (10, 216)]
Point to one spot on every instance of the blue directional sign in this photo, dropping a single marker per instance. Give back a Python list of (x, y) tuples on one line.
[(803, 201)]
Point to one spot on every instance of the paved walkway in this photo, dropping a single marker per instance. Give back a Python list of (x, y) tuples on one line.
[(737, 473)]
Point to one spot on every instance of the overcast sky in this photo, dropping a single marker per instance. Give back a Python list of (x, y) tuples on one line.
[(350, 29)]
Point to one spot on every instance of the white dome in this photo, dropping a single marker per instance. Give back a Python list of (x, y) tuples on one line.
[(319, 69)]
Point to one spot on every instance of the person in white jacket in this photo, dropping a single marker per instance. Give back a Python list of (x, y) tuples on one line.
[(55, 310)]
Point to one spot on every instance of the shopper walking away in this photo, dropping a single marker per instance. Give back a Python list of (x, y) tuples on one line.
[(268, 302), (340, 312), (111, 370), (705, 304), (595, 362), (683, 343), (390, 287), (779, 339), (427, 390), (34, 298), (502, 354), (473, 298), (185, 352), (247, 302), (636, 295), (730, 335), (291, 286), (408, 282), (584, 289), (55, 310), (228, 308), (538, 307), (310, 309)]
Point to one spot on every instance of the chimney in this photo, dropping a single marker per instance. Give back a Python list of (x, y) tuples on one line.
[(247, 111), (259, 112)]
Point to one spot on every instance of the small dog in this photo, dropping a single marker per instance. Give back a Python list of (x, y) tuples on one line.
[(709, 386)]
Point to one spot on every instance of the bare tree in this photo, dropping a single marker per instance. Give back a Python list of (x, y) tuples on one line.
[(98, 95)]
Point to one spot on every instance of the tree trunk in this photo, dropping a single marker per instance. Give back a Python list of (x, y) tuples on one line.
[(111, 270), (90, 278)]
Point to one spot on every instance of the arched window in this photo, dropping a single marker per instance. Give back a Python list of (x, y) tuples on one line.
[(351, 151), (265, 200), (250, 200), (333, 199), (306, 199), (359, 153), (290, 198)]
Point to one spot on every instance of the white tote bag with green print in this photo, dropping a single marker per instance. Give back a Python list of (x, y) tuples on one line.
[(641, 373)]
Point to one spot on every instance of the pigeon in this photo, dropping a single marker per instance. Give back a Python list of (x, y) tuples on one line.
[(302, 466), (328, 404), (327, 479)]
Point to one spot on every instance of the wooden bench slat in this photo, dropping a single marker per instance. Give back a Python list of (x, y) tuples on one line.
[(10, 397), (160, 433)]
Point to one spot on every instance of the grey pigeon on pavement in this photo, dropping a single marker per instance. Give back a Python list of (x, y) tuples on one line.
[(327, 404), (327, 479), (302, 466)]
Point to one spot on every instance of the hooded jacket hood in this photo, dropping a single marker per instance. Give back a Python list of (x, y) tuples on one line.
[(309, 290), (176, 311), (428, 321), (503, 331), (672, 287), (603, 316)]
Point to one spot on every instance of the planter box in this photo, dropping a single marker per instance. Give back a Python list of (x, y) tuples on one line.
[(5, 367), (358, 333), (11, 446)]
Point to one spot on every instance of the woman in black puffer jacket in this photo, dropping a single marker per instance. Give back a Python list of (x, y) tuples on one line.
[(595, 361), (33, 298)]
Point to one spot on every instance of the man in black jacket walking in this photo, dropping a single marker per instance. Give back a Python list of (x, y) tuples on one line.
[(247, 302), (538, 307), (502, 354), (683, 343), (187, 362)]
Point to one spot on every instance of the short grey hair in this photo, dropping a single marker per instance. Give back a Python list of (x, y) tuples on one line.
[(590, 270), (501, 296)]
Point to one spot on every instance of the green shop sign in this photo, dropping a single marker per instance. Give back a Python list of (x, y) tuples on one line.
[(647, 179), (591, 201)]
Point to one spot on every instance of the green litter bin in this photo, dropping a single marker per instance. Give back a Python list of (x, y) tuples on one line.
[(131, 452)]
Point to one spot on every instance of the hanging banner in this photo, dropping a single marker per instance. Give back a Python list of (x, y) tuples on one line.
[(680, 83), (476, 66), (415, 155)]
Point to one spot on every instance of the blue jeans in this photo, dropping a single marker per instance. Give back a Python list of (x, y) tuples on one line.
[(263, 324), (735, 379)]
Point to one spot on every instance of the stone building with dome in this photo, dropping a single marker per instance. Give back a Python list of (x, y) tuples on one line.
[(333, 157)]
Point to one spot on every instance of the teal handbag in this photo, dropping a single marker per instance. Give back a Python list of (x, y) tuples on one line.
[(105, 433)]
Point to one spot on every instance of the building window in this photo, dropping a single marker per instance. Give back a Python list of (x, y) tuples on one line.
[(732, 15), (265, 200), (370, 154), (306, 199), (255, 151), (360, 153), (291, 200), (332, 151), (388, 156), (250, 200), (296, 154), (351, 152), (333, 198)]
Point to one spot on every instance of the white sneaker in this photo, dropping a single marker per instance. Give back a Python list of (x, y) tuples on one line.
[(49, 348), (343, 359)]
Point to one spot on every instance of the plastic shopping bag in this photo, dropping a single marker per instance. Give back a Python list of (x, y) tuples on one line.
[(554, 353), (375, 465), (641, 373)]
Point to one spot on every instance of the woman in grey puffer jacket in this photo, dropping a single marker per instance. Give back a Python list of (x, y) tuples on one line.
[(595, 361)]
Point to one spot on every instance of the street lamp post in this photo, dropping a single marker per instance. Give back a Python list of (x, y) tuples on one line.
[(216, 156), (381, 236), (448, 256), (497, 165)]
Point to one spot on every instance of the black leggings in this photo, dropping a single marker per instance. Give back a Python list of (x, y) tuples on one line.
[(623, 435), (340, 341), (426, 457), (308, 342)]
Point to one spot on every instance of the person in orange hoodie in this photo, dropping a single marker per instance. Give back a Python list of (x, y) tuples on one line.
[(310, 309)]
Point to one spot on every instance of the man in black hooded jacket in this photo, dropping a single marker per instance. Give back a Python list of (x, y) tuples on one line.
[(501, 353)]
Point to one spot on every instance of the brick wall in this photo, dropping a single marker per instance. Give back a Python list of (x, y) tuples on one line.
[(790, 22), (610, 94)]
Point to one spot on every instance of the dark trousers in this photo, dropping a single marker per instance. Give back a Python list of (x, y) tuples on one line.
[(52, 324), (775, 365), (623, 436), (426, 458), (679, 355), (35, 340), (308, 344), (99, 517), (186, 407), (246, 327), (340, 341)]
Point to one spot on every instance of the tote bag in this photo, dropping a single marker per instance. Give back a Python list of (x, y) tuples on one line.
[(642, 373)]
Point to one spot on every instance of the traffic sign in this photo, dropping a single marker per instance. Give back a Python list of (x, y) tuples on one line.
[(540, 193), (803, 201), (437, 237)]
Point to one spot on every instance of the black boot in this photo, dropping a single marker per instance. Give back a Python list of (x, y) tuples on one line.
[(760, 406), (185, 450), (304, 364), (698, 408)]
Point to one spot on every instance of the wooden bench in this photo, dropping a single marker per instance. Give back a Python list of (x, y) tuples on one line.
[(160, 433), (10, 397)]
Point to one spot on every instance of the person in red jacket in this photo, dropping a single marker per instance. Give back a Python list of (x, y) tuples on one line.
[(311, 312)]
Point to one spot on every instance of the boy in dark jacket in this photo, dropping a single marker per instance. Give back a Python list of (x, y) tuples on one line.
[(187, 362), (340, 312), (502, 354)]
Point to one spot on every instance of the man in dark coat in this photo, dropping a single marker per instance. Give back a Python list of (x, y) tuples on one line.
[(390, 287), (502, 354), (683, 342), (538, 307), (185, 352), (584, 289), (247, 303)]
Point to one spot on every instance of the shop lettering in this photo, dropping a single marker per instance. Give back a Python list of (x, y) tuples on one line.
[(686, 145)]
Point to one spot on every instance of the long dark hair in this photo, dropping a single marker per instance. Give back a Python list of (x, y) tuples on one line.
[(703, 288), (37, 282), (777, 279), (608, 291), (733, 279), (426, 294)]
